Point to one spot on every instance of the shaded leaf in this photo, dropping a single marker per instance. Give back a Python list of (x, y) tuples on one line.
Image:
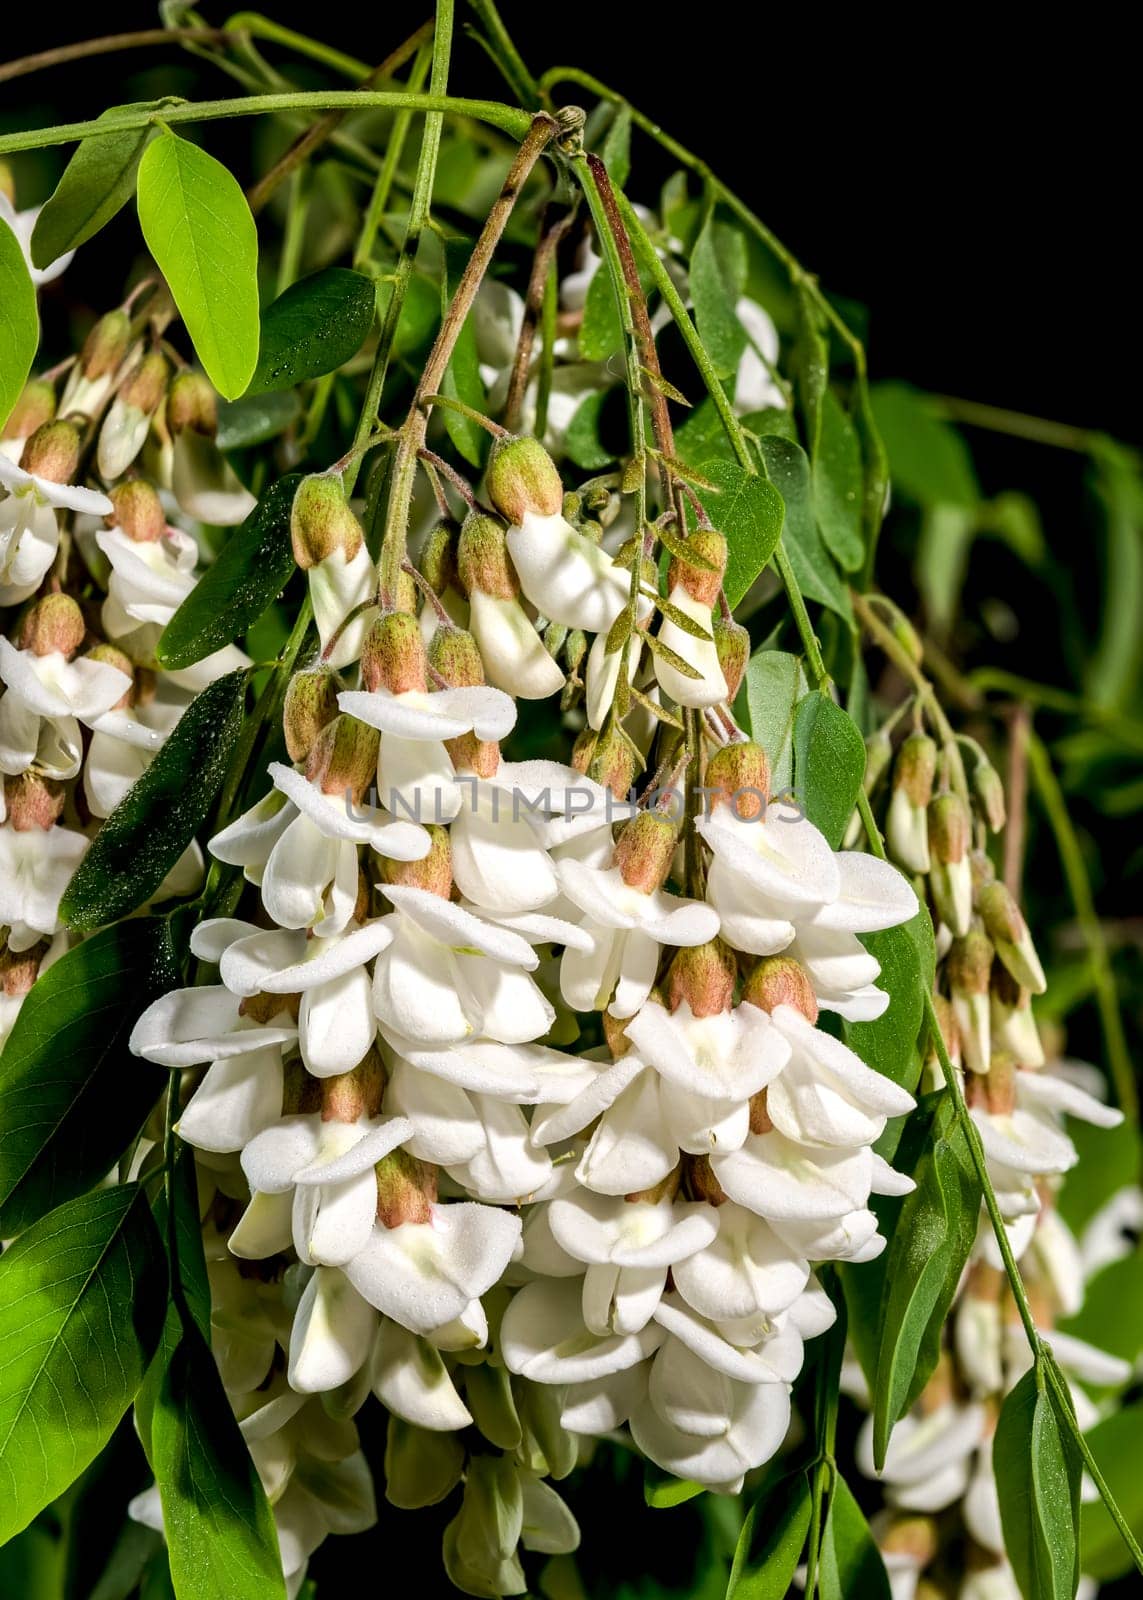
[(19, 321), (616, 150), (313, 328), (890, 1043), (788, 468), (1038, 1470), (1117, 1445), (96, 183), (582, 441), (851, 1564), (246, 422), (829, 764), (718, 271), (462, 380), (771, 1542), (839, 484), (766, 704), (929, 461), (748, 511)]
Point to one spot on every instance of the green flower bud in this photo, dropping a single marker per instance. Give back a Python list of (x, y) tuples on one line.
[(52, 625), (321, 522), (704, 976), (1009, 932), (36, 405), (310, 705), (192, 403), (343, 758), (52, 451), (522, 480), (645, 850), (698, 580), (138, 511)]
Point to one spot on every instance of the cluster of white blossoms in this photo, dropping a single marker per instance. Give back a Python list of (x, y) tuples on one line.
[(95, 558), (509, 1245)]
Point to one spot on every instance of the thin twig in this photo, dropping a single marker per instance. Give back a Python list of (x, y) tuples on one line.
[(551, 233), (108, 45)]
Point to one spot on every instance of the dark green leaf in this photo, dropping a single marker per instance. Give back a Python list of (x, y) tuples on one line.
[(788, 468), (582, 441), (81, 1303), (928, 460), (718, 271), (889, 1044), (462, 380), (875, 465), (772, 1540), (616, 150), (72, 1096), (839, 484), (97, 182), (829, 764), (252, 569), (811, 365), (748, 511), (1117, 1445), (851, 1564), (246, 422), (313, 328), (766, 704), (96, 1525), (19, 321), (198, 227), (1038, 1470), (220, 1532), (420, 314), (601, 331), (155, 821)]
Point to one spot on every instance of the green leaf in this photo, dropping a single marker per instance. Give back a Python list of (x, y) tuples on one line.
[(1111, 1316), (97, 182), (839, 484), (771, 1542), (96, 1525), (81, 1303), (1038, 1470), (851, 1564), (616, 150), (811, 365), (788, 468), (219, 1529), (420, 314), (257, 419), (889, 1044), (601, 331), (1109, 1160), (935, 1231), (766, 704), (748, 511), (199, 229), (19, 321), (928, 459), (72, 1096), (829, 764), (158, 817), (718, 271), (1117, 1445), (582, 441), (317, 325), (252, 569), (662, 1492), (462, 380)]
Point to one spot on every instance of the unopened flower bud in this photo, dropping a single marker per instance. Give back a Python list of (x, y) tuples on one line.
[(310, 705), (950, 838), (781, 981), (522, 478), (950, 1035), (989, 791), (433, 873), (439, 558), (106, 345), (344, 758), (1000, 1085), (906, 826), (914, 1537), (421, 1467), (112, 657), (36, 405), (321, 522), (703, 976), (701, 579), (615, 763), (52, 625), (1013, 1025), (349, 1096), (128, 418), (33, 801), (52, 452), (1009, 933), (732, 641), (482, 558), (192, 403), (137, 511), (406, 1189), (645, 849), (969, 968), (738, 776)]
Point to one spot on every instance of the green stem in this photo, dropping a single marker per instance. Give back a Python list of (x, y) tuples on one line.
[(505, 54), (1017, 424), (293, 238), (394, 150), (1047, 787), (261, 27), (507, 118)]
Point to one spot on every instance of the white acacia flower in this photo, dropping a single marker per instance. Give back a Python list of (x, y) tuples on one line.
[(29, 530), (544, 1337), (339, 587), (824, 1094), (409, 1376), (36, 865), (51, 689), (728, 1056), (22, 224), (205, 484), (930, 1458), (124, 743), (193, 1027), (745, 1271)]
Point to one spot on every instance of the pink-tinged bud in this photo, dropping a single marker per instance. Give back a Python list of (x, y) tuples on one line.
[(438, 558), (112, 657), (321, 522), (105, 346), (482, 558), (700, 1181), (406, 1189), (433, 873), (522, 480), (702, 579), (969, 968), (738, 776), (52, 452), (704, 976), (19, 970), (33, 802), (53, 625), (455, 656), (732, 642), (145, 386), (989, 791), (344, 758), (192, 403), (1013, 1025), (907, 826), (393, 655), (950, 839), (352, 1095), (645, 850), (310, 705), (36, 405), (781, 981), (1009, 933), (613, 762), (138, 511)]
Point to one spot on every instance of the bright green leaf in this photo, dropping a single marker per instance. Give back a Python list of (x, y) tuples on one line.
[(158, 817), (839, 484), (748, 511), (851, 1564), (313, 328), (889, 1044), (788, 468), (829, 764), (252, 569), (663, 1492), (72, 1096), (81, 1303), (718, 271), (97, 182), (929, 462), (1117, 1445), (1037, 1467), (199, 229), (766, 705), (771, 1542), (19, 321), (601, 331)]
